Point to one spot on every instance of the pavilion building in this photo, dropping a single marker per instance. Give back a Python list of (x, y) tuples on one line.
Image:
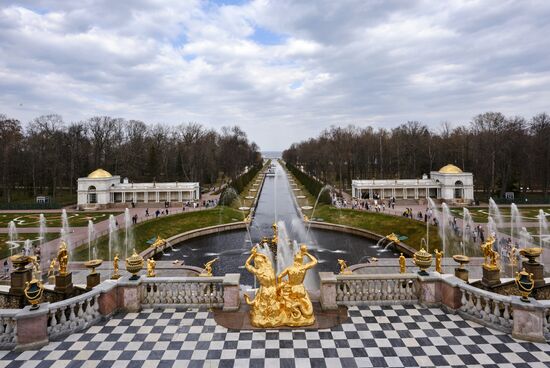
[(450, 184), (100, 189)]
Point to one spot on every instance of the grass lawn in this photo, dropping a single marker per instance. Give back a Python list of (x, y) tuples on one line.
[(5, 250), (379, 223), (63, 197), (76, 219), (165, 227), (481, 214)]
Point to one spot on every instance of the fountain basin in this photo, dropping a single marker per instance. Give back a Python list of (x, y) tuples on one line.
[(244, 208), (307, 208)]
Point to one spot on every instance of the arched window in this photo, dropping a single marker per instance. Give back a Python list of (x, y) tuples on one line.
[(459, 190), (92, 195)]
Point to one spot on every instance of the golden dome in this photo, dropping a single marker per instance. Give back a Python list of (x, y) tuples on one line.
[(100, 174), (450, 169)]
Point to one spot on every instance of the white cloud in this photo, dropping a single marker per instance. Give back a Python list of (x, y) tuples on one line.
[(283, 70)]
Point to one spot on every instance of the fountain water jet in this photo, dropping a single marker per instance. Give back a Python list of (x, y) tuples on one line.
[(467, 228), (12, 234), (91, 239), (113, 239), (128, 233)]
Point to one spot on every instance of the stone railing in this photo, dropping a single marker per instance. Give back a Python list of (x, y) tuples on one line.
[(485, 306), (25, 329), (379, 289), (188, 291), (8, 326), (526, 321), (73, 314)]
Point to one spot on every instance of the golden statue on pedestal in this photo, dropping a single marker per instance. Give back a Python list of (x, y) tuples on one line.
[(115, 275), (51, 272), (402, 264), (159, 242), (344, 270), (151, 264), (279, 302), (490, 257), (438, 259), (264, 311), (63, 258)]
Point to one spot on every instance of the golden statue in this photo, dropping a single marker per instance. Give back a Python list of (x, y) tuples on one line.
[(208, 268), (115, 275), (438, 259), (151, 264), (297, 305), (51, 272), (265, 309), (393, 238), (159, 242), (512, 256), (490, 257), (306, 219), (275, 238), (344, 270), (63, 258), (402, 264), (36, 268)]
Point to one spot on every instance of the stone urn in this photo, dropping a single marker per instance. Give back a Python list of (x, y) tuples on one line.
[(134, 264), (531, 254), (20, 262), (93, 264), (422, 260), (461, 272)]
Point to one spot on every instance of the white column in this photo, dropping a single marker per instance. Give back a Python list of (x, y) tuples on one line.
[(145, 197), (416, 193), (123, 197), (180, 196), (157, 198)]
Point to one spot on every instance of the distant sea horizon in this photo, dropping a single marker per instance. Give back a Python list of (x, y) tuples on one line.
[(272, 154)]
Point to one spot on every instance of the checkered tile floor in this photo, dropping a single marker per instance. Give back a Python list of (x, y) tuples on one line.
[(397, 336)]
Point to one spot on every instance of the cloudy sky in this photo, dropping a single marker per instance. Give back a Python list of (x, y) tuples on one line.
[(281, 69)]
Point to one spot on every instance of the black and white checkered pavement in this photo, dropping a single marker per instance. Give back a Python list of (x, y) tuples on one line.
[(392, 336)]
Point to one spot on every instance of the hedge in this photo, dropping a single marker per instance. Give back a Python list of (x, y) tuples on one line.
[(312, 185), (238, 185)]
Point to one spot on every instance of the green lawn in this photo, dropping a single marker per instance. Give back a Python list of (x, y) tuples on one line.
[(481, 214), (76, 219), (165, 227), (4, 249), (379, 223), (22, 197)]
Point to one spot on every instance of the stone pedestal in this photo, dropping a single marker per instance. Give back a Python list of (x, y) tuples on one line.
[(537, 270), (231, 292), (328, 291), (129, 295), (461, 273), (92, 280), (491, 277), (529, 319), (64, 283), (18, 280), (32, 328)]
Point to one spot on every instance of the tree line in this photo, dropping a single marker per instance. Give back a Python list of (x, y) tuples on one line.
[(47, 153), (503, 153)]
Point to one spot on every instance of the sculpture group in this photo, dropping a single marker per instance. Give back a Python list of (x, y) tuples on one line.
[(280, 300)]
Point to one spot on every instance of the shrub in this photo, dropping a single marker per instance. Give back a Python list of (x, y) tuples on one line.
[(312, 185)]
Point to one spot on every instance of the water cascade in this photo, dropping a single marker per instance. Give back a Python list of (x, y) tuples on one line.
[(445, 227)]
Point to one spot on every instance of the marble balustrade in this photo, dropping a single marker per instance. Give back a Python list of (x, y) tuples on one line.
[(376, 289), (8, 327), (186, 292)]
